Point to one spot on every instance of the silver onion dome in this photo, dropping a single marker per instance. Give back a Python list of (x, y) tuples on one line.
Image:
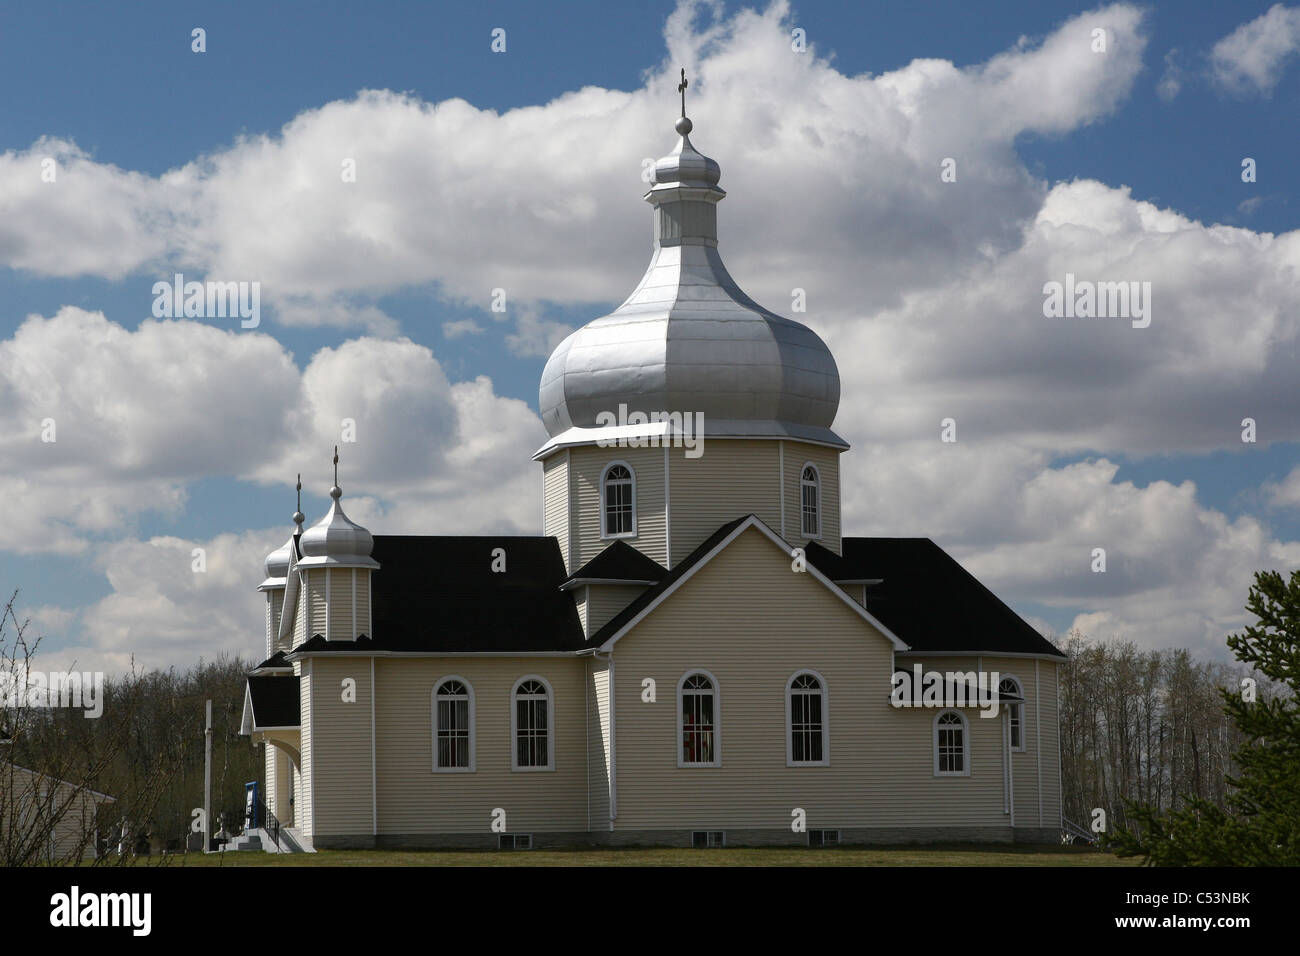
[(688, 339), (337, 540), (277, 562)]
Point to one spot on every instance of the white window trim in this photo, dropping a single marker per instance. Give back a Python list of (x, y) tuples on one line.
[(826, 723), (965, 745), (604, 473), (717, 720), (821, 521), (1020, 692), (469, 689), (550, 727)]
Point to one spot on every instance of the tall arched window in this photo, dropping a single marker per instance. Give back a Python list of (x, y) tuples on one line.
[(1015, 711), (806, 740), (810, 497), (698, 721), (951, 745), (530, 725), (453, 725), (618, 501)]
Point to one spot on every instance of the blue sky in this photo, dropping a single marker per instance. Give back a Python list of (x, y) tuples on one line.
[(121, 85)]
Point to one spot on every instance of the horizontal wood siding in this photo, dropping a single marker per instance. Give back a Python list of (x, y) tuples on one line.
[(608, 599), (586, 466), (752, 622), (598, 743), (555, 500), (827, 463), (303, 790), (341, 736), (315, 595), (413, 799), (732, 478), (340, 592), (363, 600)]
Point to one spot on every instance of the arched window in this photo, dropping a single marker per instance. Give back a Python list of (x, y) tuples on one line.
[(805, 717), (951, 745), (1015, 711), (698, 721), (530, 725), (810, 497), (618, 501), (453, 725)]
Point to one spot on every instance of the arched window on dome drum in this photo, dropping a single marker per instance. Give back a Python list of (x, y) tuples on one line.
[(619, 504), (810, 493)]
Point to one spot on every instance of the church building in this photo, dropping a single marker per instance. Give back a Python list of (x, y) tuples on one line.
[(692, 653)]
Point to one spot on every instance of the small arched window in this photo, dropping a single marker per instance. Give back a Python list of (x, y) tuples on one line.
[(1015, 711), (805, 713), (698, 716), (453, 725), (618, 501), (531, 722), (810, 497), (951, 745)]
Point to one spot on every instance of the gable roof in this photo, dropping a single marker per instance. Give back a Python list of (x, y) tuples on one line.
[(926, 596), (619, 562), (439, 594), (648, 600), (271, 701)]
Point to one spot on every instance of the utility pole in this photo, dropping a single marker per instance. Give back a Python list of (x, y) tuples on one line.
[(207, 783)]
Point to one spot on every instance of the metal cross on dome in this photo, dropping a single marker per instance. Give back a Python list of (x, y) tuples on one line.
[(336, 466), (681, 88)]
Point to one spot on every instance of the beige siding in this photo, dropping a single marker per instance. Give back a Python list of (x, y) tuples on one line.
[(745, 618), (315, 595), (303, 790), (341, 738), (274, 608), (608, 599), (413, 799), (300, 617), (598, 741), (827, 463), (555, 501), (340, 595), (581, 600), (732, 478), (585, 467), (364, 577)]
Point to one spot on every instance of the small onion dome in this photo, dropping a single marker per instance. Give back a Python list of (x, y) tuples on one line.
[(277, 566), (685, 165), (336, 540)]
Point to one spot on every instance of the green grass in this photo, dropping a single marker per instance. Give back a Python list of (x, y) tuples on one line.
[(932, 855)]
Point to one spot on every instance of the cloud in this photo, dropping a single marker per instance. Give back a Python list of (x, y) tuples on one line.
[(1252, 58), (1171, 81), (460, 328)]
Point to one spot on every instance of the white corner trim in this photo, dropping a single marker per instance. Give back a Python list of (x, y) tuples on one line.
[(668, 513), (780, 457)]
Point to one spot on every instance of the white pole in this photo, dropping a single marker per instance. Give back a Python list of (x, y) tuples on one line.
[(207, 783)]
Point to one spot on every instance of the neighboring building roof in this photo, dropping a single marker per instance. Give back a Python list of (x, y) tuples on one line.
[(930, 600), (276, 662), (274, 701), (619, 562), (58, 780), (439, 594)]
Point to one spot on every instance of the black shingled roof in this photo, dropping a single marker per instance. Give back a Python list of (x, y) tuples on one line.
[(275, 701), (275, 660), (929, 600), (620, 562), (439, 593)]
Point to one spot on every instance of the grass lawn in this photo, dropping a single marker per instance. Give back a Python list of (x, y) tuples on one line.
[(933, 855)]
